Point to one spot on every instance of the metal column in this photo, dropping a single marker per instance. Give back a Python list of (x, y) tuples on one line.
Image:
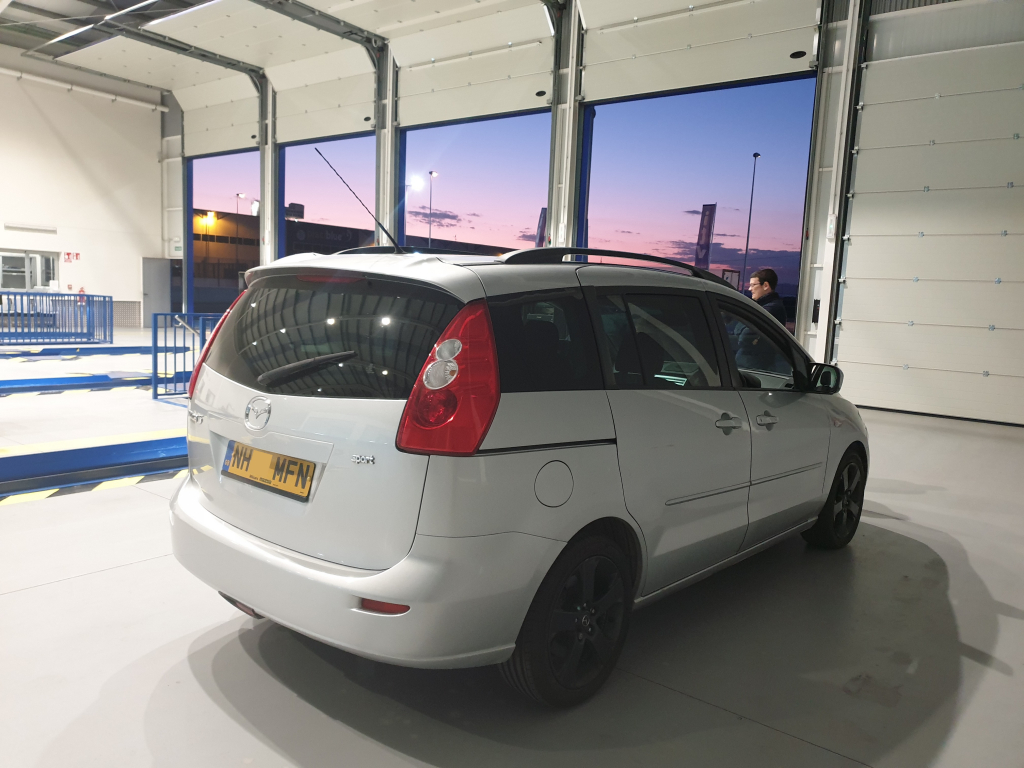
[(825, 225), (566, 111), (269, 172), (388, 142)]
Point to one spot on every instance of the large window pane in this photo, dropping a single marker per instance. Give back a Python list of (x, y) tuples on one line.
[(322, 215), (657, 162), (491, 183), (225, 227)]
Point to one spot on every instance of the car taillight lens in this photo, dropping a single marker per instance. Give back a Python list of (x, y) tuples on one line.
[(207, 346), (456, 395)]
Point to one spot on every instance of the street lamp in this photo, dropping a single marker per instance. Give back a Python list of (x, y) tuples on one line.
[(430, 215), (238, 196), (750, 213)]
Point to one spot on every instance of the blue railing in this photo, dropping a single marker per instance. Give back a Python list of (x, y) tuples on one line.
[(56, 318), (178, 338)]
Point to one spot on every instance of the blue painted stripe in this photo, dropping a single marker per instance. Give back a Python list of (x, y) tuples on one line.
[(82, 459), (77, 382), (86, 351)]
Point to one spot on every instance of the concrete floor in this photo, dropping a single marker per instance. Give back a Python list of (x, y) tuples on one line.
[(906, 649)]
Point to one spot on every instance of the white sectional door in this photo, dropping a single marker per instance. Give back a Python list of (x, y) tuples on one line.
[(930, 308)]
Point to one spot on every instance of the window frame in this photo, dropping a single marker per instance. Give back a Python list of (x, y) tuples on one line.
[(786, 343), (593, 293)]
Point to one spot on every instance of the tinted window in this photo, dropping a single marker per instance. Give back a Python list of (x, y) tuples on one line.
[(762, 362), (621, 346), (545, 342), (674, 342), (390, 325)]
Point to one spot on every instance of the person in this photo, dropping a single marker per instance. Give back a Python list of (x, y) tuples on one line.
[(762, 290)]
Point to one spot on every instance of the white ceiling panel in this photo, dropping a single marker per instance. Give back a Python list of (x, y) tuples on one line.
[(144, 63), (319, 69), (397, 18), (500, 29), (517, 94), (331, 108), (691, 30), (235, 87), (724, 42), (476, 86), (727, 62), (249, 33), (222, 127), (601, 13), (467, 71)]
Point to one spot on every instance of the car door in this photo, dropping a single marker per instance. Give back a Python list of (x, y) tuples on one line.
[(789, 425), (682, 435)]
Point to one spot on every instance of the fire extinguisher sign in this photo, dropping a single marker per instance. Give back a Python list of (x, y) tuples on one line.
[(70, 256)]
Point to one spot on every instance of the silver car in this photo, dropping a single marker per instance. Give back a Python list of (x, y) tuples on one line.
[(443, 460)]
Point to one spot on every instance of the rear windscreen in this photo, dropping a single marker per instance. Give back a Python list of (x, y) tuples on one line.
[(358, 337)]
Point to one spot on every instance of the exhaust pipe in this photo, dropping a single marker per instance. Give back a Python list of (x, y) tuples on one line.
[(241, 606)]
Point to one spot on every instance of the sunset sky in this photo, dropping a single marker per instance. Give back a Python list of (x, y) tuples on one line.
[(655, 163)]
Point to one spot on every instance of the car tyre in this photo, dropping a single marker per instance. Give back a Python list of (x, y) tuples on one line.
[(576, 626), (839, 517)]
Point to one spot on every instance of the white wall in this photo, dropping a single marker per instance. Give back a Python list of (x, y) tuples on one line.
[(87, 166)]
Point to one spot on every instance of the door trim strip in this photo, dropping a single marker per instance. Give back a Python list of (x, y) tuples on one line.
[(543, 447), (788, 473), (706, 494)]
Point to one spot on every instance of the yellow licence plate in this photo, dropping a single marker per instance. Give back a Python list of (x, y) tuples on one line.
[(271, 471)]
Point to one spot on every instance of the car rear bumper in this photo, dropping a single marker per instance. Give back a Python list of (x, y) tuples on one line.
[(467, 596)]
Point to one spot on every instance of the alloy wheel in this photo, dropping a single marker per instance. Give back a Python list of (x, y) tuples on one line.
[(846, 504), (586, 623)]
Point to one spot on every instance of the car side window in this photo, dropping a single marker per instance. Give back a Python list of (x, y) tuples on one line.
[(618, 338), (673, 341), (763, 363), (545, 342)]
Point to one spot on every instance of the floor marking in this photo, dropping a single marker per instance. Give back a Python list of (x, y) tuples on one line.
[(119, 483), (31, 496), (100, 485)]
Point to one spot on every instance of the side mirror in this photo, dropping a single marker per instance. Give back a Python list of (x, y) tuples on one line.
[(826, 379)]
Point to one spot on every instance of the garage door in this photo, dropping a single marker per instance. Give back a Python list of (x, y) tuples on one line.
[(930, 312)]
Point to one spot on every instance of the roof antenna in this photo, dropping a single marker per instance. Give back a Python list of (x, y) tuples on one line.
[(398, 248)]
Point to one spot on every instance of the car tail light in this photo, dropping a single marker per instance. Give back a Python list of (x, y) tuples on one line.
[(456, 395), (207, 346), (379, 606)]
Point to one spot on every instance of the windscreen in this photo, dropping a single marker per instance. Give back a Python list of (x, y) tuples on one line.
[(329, 335)]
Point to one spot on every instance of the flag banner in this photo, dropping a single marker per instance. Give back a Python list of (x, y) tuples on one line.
[(705, 235), (542, 225)]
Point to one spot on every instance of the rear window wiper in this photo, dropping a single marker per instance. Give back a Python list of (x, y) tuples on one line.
[(293, 371)]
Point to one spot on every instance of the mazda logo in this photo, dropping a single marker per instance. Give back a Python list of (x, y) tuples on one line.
[(257, 413)]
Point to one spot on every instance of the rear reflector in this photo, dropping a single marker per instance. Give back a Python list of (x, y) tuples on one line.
[(240, 606), (456, 394), (377, 606)]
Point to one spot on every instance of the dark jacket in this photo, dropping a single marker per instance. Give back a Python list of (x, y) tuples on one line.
[(773, 303)]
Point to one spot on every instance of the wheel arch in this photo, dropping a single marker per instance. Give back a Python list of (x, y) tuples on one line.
[(625, 537)]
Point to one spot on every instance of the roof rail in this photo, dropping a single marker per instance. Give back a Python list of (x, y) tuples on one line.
[(557, 256)]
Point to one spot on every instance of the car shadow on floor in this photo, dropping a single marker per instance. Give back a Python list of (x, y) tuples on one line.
[(795, 656)]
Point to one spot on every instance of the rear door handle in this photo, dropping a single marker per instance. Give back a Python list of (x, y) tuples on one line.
[(766, 420), (728, 422)]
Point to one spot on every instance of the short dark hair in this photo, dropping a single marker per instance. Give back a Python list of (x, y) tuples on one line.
[(767, 276)]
